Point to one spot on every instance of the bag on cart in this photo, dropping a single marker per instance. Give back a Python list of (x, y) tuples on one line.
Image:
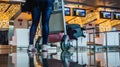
[(74, 31)]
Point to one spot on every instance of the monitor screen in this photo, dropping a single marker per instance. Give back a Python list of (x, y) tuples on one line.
[(67, 11), (105, 14), (116, 15), (79, 12)]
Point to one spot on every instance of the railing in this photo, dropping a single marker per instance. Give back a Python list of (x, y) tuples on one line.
[(106, 42)]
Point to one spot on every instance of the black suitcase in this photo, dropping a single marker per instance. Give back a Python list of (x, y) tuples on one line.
[(74, 31)]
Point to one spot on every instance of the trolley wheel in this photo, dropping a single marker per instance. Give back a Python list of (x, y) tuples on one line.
[(66, 57), (65, 45)]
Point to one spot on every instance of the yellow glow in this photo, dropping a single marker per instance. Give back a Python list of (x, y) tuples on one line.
[(25, 16), (115, 22), (82, 20), (72, 6), (4, 24), (7, 11), (106, 26)]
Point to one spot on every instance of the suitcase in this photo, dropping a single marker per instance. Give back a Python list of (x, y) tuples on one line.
[(74, 31)]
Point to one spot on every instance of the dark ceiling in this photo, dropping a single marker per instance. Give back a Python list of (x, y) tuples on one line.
[(90, 3), (115, 4)]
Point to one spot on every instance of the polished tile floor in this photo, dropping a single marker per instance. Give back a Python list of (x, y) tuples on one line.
[(83, 58)]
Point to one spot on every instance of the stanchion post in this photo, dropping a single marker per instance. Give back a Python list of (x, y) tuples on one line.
[(94, 32), (106, 49)]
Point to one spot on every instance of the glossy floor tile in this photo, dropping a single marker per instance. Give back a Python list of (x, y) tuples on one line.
[(82, 58)]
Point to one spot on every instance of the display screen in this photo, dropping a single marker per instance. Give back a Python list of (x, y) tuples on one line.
[(79, 12), (67, 11), (105, 14), (116, 15)]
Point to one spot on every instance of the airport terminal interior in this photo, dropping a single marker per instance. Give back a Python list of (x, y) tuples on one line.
[(95, 44)]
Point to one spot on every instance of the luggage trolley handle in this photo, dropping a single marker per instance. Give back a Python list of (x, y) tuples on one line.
[(63, 14)]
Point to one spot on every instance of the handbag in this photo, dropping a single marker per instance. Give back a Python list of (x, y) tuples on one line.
[(27, 6)]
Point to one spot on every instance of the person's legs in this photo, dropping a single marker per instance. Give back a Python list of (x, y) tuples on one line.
[(46, 12), (45, 23), (35, 20)]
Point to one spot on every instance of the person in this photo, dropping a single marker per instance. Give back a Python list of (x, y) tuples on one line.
[(40, 8)]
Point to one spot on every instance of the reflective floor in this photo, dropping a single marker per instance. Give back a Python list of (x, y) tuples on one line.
[(84, 57)]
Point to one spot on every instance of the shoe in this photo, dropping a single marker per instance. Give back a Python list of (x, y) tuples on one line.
[(31, 54), (49, 49), (31, 48), (44, 55)]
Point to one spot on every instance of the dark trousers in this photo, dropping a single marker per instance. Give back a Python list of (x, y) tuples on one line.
[(42, 8)]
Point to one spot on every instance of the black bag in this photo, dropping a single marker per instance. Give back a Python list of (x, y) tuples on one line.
[(74, 31), (27, 6)]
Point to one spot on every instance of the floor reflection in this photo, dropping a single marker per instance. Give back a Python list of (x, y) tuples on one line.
[(7, 58), (71, 58), (81, 59)]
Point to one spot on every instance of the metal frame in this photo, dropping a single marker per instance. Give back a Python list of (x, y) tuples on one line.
[(63, 14)]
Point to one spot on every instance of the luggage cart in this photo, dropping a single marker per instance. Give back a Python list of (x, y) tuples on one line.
[(58, 28), (57, 25)]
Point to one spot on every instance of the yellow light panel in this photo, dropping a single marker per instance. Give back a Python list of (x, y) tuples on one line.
[(7, 13)]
